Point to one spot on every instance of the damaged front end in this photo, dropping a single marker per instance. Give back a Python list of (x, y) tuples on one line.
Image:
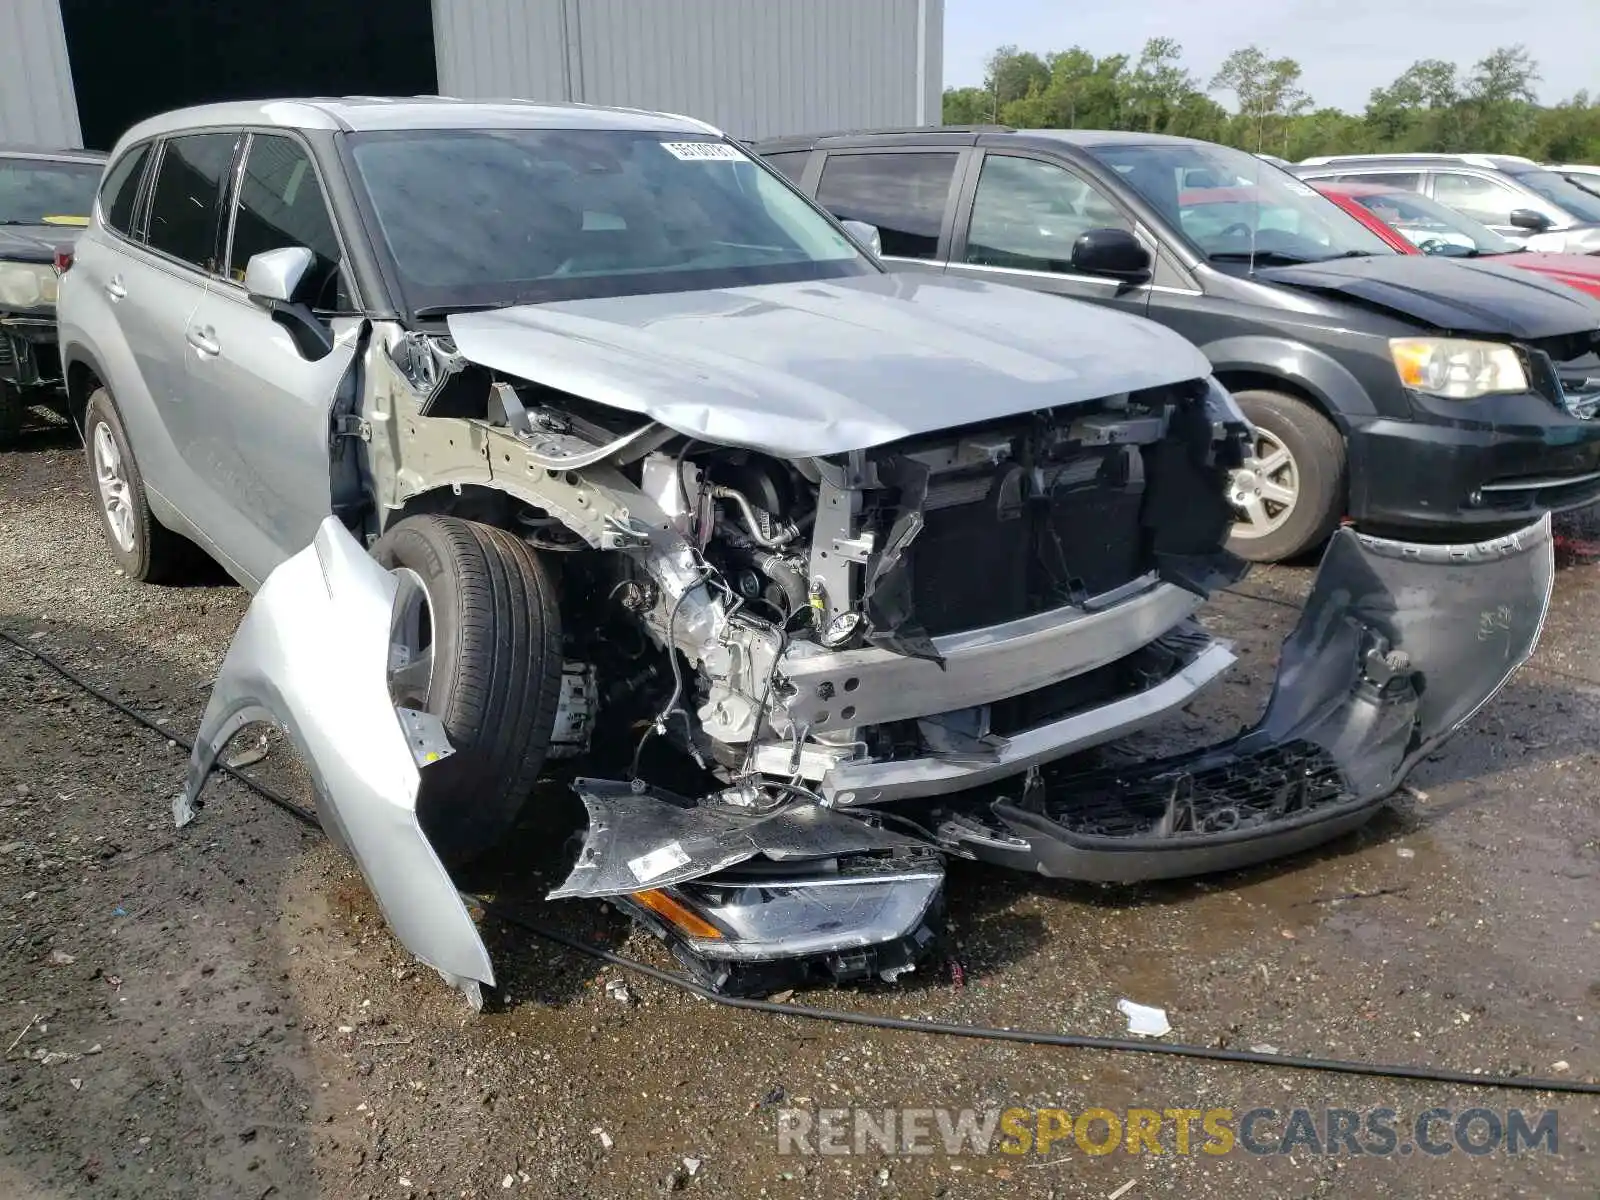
[(817, 672)]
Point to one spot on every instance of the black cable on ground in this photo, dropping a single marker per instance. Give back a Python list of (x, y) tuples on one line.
[(301, 814), (872, 1021), (1076, 1041), (1260, 599)]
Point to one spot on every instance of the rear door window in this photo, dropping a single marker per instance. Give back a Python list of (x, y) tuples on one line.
[(120, 193), (187, 197), (904, 195), (791, 163), (1480, 198), (281, 205), (1028, 213)]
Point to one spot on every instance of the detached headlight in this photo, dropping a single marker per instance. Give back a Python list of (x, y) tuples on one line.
[(27, 285), (1456, 369)]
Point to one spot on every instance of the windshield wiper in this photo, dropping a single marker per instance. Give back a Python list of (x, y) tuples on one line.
[(1254, 256)]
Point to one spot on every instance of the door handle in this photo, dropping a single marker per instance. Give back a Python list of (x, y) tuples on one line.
[(114, 288), (203, 340)]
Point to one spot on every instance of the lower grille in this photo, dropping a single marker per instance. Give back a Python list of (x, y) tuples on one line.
[(1231, 792)]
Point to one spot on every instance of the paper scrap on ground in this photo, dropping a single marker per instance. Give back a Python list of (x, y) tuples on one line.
[(1144, 1021)]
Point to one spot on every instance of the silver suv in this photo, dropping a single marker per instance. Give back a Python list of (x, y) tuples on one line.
[(578, 435), (1516, 197)]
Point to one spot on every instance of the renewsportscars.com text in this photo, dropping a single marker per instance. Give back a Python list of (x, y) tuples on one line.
[(1380, 1132)]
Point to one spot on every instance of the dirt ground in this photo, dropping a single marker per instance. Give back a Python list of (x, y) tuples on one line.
[(220, 1012)]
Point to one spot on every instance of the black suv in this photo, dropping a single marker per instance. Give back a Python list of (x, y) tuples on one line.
[(1404, 392)]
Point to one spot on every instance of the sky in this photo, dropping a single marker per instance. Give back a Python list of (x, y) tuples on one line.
[(1345, 47)]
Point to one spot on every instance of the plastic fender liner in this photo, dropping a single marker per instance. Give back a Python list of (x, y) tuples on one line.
[(312, 656), (1397, 646)]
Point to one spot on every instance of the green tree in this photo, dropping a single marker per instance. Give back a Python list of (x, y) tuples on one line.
[(1500, 99), (968, 106), (1431, 105), (1157, 86), (1012, 74)]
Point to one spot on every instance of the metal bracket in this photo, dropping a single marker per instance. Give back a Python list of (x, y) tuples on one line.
[(347, 425)]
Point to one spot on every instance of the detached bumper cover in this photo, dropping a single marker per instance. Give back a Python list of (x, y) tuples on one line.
[(1398, 645)]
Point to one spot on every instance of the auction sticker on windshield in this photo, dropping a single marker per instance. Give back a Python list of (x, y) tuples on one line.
[(703, 151)]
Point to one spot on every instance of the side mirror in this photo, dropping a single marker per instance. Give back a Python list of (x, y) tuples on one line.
[(1115, 253), (1443, 249), (864, 235), (276, 275), (271, 280), (1528, 218)]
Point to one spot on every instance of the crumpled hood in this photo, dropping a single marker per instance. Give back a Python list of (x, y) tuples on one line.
[(1439, 293), (805, 369)]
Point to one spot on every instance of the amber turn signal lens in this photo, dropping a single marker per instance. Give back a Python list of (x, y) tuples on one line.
[(683, 918)]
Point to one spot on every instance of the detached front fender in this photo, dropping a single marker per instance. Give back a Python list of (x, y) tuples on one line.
[(312, 657)]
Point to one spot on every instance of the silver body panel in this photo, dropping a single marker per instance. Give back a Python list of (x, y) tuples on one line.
[(871, 686), (804, 369), (914, 778), (311, 656)]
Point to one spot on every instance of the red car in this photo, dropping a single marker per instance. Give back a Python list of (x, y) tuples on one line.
[(1414, 224)]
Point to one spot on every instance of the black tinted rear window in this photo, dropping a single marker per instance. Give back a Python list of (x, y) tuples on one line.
[(121, 191), (188, 197), (904, 195)]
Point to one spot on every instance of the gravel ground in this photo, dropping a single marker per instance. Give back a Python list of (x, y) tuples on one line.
[(220, 1011)]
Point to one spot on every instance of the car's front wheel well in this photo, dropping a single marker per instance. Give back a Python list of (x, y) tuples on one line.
[(1244, 380), (471, 502)]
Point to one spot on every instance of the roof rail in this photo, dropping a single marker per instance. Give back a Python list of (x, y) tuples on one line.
[(1491, 161), (923, 129)]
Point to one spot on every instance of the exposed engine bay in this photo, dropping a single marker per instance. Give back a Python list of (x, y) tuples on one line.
[(794, 684)]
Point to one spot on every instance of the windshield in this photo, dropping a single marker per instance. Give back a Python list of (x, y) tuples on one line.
[(485, 218), (1433, 228), (42, 191), (1234, 208), (1558, 189)]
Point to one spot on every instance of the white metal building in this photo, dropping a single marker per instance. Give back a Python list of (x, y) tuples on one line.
[(75, 72)]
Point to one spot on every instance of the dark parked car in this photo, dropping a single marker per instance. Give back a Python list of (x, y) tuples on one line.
[(1403, 392), (45, 199)]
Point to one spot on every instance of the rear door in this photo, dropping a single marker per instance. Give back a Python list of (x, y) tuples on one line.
[(907, 192), (273, 394), (153, 288), (1019, 219)]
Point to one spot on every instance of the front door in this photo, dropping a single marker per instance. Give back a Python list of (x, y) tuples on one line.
[(1025, 216), (275, 394)]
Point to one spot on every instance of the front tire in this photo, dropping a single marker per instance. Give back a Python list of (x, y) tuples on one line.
[(1290, 492), (480, 629), (143, 548)]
